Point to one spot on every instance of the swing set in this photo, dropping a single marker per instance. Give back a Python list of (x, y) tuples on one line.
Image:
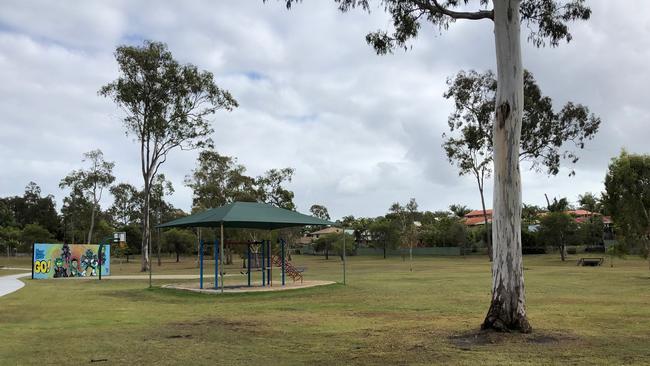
[(258, 252)]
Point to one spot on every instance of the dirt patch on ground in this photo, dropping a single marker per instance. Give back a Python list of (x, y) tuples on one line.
[(209, 288), (179, 336), (468, 340), (202, 329), (207, 325)]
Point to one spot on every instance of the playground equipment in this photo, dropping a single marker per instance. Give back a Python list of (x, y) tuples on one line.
[(246, 215), (263, 258)]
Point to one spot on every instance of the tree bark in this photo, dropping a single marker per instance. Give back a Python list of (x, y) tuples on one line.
[(146, 235), (507, 310), (488, 237), (92, 224)]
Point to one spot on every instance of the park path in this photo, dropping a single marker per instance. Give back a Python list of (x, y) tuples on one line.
[(11, 283), (155, 277)]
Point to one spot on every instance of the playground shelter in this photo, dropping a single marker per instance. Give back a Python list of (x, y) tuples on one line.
[(246, 215)]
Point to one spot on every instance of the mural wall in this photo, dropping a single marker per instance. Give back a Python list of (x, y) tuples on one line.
[(70, 260)]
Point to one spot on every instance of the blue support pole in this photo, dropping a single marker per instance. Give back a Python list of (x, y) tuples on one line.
[(216, 264), (248, 262), (268, 262), (283, 260), (201, 264), (263, 249)]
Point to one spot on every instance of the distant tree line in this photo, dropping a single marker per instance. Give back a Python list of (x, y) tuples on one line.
[(215, 181)]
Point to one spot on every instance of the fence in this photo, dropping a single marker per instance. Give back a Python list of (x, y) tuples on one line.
[(440, 251)]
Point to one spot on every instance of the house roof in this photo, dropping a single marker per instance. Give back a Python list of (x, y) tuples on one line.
[(480, 220), (327, 230), (478, 213), (581, 213)]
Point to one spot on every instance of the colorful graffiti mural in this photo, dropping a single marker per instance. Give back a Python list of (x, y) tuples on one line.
[(70, 260)]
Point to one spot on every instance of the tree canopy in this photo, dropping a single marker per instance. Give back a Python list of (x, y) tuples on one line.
[(166, 106), (218, 180), (627, 198), (547, 136)]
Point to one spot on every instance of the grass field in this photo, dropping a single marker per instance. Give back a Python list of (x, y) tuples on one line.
[(385, 315)]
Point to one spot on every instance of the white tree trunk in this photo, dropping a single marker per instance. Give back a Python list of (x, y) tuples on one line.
[(92, 224), (485, 221), (508, 308), (146, 233)]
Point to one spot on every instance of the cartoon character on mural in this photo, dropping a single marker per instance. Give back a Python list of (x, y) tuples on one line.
[(65, 253), (59, 269), (74, 268), (89, 260)]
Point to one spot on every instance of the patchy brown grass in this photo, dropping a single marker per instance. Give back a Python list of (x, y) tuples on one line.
[(386, 315)]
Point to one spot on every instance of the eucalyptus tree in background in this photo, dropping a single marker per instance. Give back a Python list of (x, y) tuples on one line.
[(166, 106), (126, 208), (91, 182), (545, 133), (272, 190), (159, 208), (627, 199), (319, 211), (558, 228), (76, 213), (218, 180), (547, 22), (405, 217), (471, 148)]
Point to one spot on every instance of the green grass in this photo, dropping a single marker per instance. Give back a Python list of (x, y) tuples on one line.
[(385, 315)]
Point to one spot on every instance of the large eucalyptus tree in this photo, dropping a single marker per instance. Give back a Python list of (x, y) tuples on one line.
[(547, 21), (166, 106)]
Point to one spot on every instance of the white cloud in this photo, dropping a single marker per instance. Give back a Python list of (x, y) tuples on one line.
[(362, 131)]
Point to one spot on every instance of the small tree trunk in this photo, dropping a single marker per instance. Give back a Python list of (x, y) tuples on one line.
[(178, 257), (92, 225), (327, 252), (563, 252), (384, 250), (488, 236), (146, 235), (411, 258), (507, 310)]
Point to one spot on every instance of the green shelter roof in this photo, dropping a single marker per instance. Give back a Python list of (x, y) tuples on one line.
[(248, 215)]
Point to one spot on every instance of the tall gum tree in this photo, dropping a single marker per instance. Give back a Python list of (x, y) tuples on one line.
[(547, 137), (166, 106), (91, 182), (547, 21)]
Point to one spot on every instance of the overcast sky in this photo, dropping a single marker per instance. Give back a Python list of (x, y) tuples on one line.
[(361, 130)]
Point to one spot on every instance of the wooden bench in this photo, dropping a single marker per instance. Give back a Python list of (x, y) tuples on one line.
[(590, 262)]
